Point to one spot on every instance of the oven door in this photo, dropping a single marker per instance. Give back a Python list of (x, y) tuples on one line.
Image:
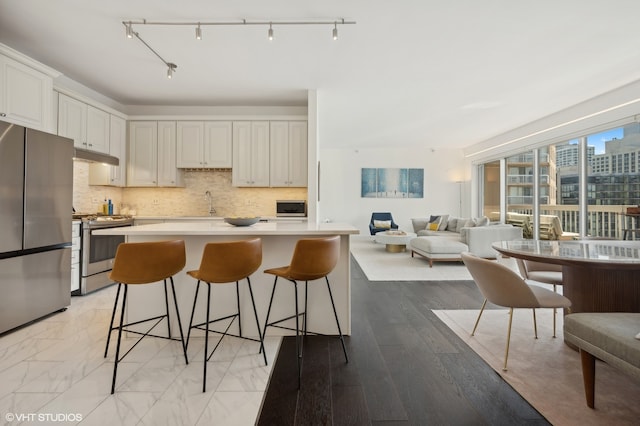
[(98, 251)]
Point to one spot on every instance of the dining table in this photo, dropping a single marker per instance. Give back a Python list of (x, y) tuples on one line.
[(597, 275)]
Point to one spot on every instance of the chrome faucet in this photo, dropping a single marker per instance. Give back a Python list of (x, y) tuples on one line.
[(212, 210)]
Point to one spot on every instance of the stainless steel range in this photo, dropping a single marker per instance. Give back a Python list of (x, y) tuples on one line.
[(98, 252)]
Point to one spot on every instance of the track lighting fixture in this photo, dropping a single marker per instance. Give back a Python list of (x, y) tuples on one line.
[(171, 67)]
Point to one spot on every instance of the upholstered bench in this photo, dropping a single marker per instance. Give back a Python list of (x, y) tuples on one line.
[(440, 249), (609, 337)]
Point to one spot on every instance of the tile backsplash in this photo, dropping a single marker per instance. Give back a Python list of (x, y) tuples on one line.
[(188, 201)]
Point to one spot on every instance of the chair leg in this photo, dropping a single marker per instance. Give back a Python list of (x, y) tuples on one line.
[(555, 313), (193, 310), (588, 376), (479, 315), (273, 291), (304, 318), (206, 341), (535, 324), (175, 302), (115, 364), (506, 351), (298, 342), (255, 312), (166, 306), (238, 306), (113, 315), (335, 313)]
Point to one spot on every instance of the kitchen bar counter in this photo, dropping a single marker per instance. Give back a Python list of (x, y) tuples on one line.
[(278, 241)]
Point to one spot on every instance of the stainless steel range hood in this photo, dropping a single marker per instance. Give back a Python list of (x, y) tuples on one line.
[(95, 157)]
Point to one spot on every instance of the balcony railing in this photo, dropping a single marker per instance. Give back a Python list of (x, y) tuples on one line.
[(526, 179), (602, 221), (525, 199)]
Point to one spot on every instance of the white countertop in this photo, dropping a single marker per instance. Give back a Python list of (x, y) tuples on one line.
[(221, 228)]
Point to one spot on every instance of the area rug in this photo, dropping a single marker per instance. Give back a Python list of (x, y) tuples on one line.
[(546, 372), (380, 265)]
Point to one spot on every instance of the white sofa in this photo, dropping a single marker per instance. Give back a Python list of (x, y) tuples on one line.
[(458, 235)]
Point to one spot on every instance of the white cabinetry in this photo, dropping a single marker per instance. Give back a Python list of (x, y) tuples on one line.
[(102, 174), (288, 159), (152, 154), (86, 125), (204, 144), (25, 95), (250, 153), (75, 256)]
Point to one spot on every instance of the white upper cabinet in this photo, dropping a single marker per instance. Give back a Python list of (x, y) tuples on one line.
[(25, 95), (189, 151), (72, 120), (152, 154), (118, 148), (250, 153), (98, 127), (218, 151), (204, 144), (103, 174), (86, 125), (288, 159), (168, 173), (143, 154)]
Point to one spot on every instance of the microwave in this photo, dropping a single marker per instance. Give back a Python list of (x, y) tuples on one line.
[(291, 208)]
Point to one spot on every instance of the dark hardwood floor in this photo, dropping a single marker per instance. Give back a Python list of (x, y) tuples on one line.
[(405, 366)]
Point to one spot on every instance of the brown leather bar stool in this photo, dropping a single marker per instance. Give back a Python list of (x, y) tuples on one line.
[(226, 262), (145, 263), (312, 259)]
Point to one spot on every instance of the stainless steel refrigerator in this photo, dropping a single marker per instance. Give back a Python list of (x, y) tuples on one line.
[(36, 185)]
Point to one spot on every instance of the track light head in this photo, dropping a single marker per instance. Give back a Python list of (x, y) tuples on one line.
[(270, 33), (171, 69), (335, 31), (198, 32), (129, 30)]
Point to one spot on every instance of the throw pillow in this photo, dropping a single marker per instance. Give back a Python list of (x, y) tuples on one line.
[(461, 224), (434, 223), (451, 224), (419, 224), (470, 223), (383, 224), (444, 220), (482, 221)]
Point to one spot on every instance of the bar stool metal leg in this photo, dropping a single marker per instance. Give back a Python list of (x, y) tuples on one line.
[(113, 315), (335, 313), (117, 359)]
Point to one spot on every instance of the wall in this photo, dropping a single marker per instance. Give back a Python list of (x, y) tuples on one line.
[(187, 201), (340, 175)]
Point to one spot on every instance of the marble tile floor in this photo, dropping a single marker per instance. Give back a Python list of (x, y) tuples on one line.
[(53, 371)]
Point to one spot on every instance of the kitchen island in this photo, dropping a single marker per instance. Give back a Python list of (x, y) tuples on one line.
[(278, 242)]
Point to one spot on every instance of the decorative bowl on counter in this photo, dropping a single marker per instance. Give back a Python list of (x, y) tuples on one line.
[(241, 221)]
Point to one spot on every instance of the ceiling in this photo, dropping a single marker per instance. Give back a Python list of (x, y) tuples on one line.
[(411, 73)]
